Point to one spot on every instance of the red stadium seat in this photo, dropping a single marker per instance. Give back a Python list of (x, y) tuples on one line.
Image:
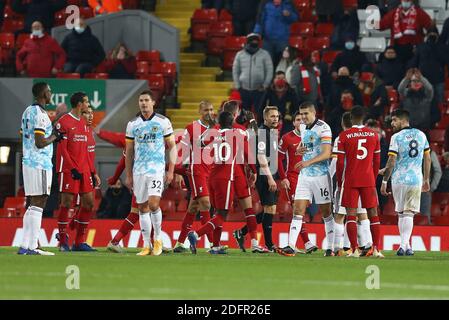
[(296, 42), (441, 198), (182, 205), (86, 12), (350, 3), (15, 204), (386, 219), (443, 123), (437, 148), (421, 220), (143, 67), (317, 43), (150, 56), (21, 38), (216, 36), (200, 22), (324, 29), (329, 56), (308, 15), (63, 75), (225, 15), (7, 40), (437, 135), (100, 75), (302, 4), (302, 29), (388, 209), (169, 72), (156, 67), (393, 96), (13, 25), (231, 47), (9, 13), (130, 4), (60, 17), (174, 194)]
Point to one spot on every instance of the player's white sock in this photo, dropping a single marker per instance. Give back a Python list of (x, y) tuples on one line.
[(35, 226), (329, 228), (339, 233), (254, 243), (360, 236), (295, 229), (156, 220), (407, 229), (346, 242), (26, 229), (366, 231), (145, 228), (400, 225)]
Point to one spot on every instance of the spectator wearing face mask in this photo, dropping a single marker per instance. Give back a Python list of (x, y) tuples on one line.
[(406, 23), (390, 69), (289, 56), (273, 22), (280, 94), (351, 57), (40, 56), (417, 94), (374, 94), (306, 81), (84, 51), (431, 58), (252, 72), (348, 26)]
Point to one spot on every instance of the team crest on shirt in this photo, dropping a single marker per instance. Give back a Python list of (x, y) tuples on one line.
[(155, 129)]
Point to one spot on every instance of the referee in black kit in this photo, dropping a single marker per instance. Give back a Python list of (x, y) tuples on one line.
[(267, 155)]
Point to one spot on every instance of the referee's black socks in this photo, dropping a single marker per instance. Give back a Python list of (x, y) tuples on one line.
[(267, 228)]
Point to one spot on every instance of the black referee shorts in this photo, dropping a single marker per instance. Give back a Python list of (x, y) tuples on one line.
[(267, 198)]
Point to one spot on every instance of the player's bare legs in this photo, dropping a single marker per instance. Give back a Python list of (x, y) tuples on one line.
[(150, 216)]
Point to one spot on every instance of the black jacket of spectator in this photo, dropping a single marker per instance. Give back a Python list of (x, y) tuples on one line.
[(328, 7), (83, 47), (430, 59), (348, 26), (242, 10), (115, 204), (444, 37), (391, 71), (353, 59), (38, 10)]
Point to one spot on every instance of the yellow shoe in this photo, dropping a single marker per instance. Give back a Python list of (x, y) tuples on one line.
[(145, 252), (157, 248), (355, 254), (378, 254)]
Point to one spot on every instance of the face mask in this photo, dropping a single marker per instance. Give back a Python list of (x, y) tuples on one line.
[(285, 54), (344, 78), (37, 33), (406, 4), (347, 103), (79, 29), (254, 45), (280, 84), (416, 86), (349, 45)]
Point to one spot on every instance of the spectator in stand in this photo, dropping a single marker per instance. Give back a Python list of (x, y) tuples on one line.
[(435, 177), (325, 77), (105, 6), (431, 58), (274, 18), (84, 51), (281, 95), (406, 23), (328, 10), (252, 72), (122, 64), (116, 203), (243, 15), (40, 56), (374, 94), (390, 69), (305, 78), (289, 56), (444, 38), (443, 186), (351, 57), (347, 26), (417, 94), (212, 4), (38, 10)]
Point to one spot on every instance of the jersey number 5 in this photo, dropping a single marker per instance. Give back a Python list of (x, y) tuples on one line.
[(362, 148)]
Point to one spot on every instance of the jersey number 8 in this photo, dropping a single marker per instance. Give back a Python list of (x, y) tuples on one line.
[(413, 152)]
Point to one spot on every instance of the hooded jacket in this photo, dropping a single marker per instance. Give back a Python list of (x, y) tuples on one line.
[(84, 47), (252, 71)]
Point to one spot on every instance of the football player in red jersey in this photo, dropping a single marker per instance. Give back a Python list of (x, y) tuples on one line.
[(75, 172), (359, 152), (289, 177), (228, 146)]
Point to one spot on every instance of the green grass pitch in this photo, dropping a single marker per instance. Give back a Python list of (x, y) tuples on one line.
[(238, 275)]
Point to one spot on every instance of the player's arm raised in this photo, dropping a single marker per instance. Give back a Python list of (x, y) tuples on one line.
[(172, 155)]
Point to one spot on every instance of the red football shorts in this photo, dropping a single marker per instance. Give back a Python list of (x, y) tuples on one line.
[(367, 195), (68, 185), (221, 193), (198, 185), (241, 187), (293, 179)]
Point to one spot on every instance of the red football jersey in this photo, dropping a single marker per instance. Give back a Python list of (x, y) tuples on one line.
[(359, 146), (91, 148), (72, 150), (191, 139), (228, 147), (240, 169), (287, 146)]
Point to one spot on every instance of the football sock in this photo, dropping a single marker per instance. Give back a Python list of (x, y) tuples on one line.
[(156, 220), (83, 222), (346, 242), (35, 220), (63, 220), (351, 229), (360, 235), (339, 233), (215, 222), (407, 229), (304, 234), (126, 227), (267, 229), (329, 228), (259, 219), (204, 218), (251, 222), (186, 226), (295, 228), (74, 221), (217, 236), (401, 224), (365, 226), (375, 230), (145, 228), (26, 229)]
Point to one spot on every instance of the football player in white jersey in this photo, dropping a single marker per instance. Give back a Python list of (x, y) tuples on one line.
[(314, 179), (408, 147), (37, 139), (147, 138)]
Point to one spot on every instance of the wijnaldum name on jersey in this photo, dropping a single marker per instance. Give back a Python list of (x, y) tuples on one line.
[(360, 134)]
